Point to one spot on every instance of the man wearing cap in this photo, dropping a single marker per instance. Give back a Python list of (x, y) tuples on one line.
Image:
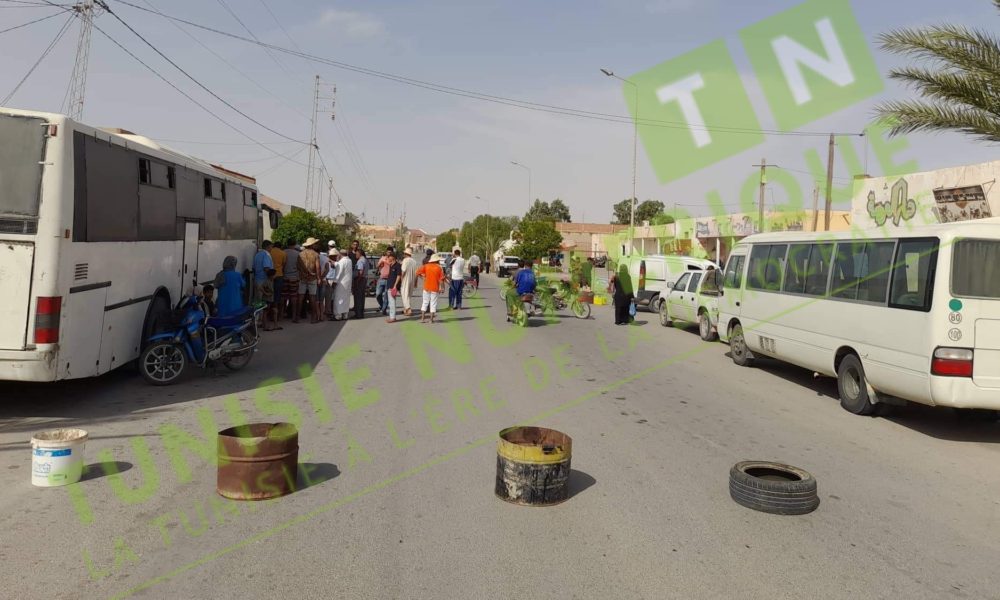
[(433, 275), (409, 268), (309, 276)]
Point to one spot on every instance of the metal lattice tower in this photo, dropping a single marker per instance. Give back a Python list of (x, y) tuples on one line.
[(311, 168), (78, 80)]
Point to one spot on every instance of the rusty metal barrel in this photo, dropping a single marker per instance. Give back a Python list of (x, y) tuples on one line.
[(533, 466), (258, 461)]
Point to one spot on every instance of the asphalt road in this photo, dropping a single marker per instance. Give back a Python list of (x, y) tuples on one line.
[(399, 499)]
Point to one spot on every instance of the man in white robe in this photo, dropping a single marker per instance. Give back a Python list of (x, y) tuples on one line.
[(342, 290), (409, 267)]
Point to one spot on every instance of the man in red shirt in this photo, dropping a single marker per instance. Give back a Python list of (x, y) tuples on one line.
[(433, 275)]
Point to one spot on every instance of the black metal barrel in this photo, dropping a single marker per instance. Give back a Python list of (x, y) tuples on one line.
[(533, 466)]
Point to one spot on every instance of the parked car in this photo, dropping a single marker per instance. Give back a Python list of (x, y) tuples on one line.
[(694, 299), (507, 266), (653, 276)]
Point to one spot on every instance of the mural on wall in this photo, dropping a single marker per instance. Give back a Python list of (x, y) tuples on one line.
[(961, 204), (945, 195), (898, 207), (744, 226)]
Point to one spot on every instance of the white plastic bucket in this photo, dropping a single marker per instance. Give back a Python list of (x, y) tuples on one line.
[(57, 457)]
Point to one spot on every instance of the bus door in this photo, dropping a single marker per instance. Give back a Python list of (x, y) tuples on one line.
[(732, 285), (189, 276)]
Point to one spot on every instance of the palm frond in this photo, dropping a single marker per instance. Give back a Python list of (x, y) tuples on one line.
[(949, 46), (970, 90), (910, 116)]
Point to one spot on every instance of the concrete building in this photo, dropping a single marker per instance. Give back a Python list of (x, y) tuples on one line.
[(941, 196)]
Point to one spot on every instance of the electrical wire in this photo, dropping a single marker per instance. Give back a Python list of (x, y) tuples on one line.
[(36, 20), (288, 159), (52, 44), (263, 88), (182, 92), (524, 104), (199, 142), (193, 79), (255, 38)]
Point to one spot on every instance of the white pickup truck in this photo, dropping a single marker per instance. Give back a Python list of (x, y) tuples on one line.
[(694, 299)]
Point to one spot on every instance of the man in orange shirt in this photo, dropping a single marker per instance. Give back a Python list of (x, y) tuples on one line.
[(278, 257), (433, 275)]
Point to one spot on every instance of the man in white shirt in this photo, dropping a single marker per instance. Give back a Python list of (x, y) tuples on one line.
[(474, 267), (457, 275)]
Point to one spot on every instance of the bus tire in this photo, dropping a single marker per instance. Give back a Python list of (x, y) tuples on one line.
[(852, 386), (157, 320), (705, 327), (738, 349)]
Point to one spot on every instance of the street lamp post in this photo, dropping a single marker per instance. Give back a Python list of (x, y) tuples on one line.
[(529, 180), (635, 152)]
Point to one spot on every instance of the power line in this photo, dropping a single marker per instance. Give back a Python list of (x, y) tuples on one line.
[(56, 14), (182, 92), (524, 104), (282, 163), (263, 88), (193, 79), (52, 44), (200, 142), (255, 38)]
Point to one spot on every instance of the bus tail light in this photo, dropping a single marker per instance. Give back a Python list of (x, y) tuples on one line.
[(952, 362), (47, 315)]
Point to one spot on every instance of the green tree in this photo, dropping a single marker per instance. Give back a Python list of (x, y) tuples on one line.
[(538, 239), (301, 224), (644, 211), (545, 211), (958, 80), (484, 234), (446, 241), (662, 219)]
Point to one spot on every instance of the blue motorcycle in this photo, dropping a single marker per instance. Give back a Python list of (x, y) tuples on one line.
[(201, 340)]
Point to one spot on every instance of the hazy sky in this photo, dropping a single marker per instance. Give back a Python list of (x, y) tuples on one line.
[(430, 151)]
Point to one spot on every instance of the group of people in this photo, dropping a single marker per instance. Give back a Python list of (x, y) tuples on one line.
[(298, 281)]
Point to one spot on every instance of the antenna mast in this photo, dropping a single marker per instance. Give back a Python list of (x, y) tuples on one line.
[(78, 80)]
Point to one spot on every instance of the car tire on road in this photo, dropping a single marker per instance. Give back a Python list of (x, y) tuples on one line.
[(853, 387), (705, 328), (664, 315), (773, 488), (742, 355)]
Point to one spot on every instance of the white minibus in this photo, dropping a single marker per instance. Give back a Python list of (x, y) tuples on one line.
[(101, 233), (912, 314)]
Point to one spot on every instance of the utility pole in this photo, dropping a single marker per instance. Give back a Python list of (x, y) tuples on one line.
[(760, 202), (311, 168), (78, 80), (829, 184), (815, 206)]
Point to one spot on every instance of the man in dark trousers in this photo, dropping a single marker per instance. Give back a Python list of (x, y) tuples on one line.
[(360, 285)]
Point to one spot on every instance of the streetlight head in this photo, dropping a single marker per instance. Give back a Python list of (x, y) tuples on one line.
[(513, 163), (608, 73)]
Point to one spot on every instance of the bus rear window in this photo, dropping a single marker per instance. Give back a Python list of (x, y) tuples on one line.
[(22, 150), (975, 270)]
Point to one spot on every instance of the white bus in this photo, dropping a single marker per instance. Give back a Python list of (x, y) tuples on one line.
[(912, 315), (100, 234)]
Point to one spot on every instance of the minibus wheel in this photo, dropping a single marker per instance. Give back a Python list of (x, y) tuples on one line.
[(742, 355), (853, 387)]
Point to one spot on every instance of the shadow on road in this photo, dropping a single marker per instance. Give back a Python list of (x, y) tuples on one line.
[(312, 474), (578, 483), (935, 421), (98, 470), (122, 395)]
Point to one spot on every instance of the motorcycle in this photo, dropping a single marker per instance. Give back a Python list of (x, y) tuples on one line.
[(546, 300), (201, 340)]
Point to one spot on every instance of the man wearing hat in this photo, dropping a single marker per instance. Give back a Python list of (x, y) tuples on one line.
[(309, 277), (409, 268), (342, 289), (433, 276)]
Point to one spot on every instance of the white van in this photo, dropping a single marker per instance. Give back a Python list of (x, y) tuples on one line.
[(654, 275)]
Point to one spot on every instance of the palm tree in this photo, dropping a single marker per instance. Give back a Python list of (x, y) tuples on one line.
[(959, 80)]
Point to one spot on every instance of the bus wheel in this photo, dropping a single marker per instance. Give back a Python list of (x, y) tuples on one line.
[(158, 320), (705, 327), (738, 347), (852, 386)]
